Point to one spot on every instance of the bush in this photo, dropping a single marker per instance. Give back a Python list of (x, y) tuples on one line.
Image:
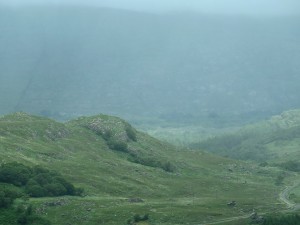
[(291, 166), (138, 218), (5, 201), (106, 134), (118, 145), (152, 162), (37, 181), (55, 189), (26, 216), (36, 191), (7, 197), (15, 173), (168, 167), (130, 132), (70, 189)]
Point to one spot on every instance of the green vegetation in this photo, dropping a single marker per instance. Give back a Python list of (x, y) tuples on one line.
[(7, 196), (295, 195), (17, 212), (122, 137), (26, 216), (36, 181), (153, 162), (172, 185), (18, 181), (22, 214), (291, 165), (138, 218), (282, 220), (276, 141)]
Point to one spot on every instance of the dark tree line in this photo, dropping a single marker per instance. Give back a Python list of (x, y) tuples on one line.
[(37, 181)]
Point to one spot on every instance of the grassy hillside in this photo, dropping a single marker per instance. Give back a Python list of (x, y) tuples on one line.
[(276, 140), (65, 62), (143, 176)]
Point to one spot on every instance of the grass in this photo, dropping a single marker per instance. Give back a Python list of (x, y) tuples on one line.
[(185, 134), (197, 191), (295, 195), (274, 141)]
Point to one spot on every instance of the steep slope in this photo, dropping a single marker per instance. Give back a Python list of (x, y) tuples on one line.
[(69, 61), (144, 175), (275, 140)]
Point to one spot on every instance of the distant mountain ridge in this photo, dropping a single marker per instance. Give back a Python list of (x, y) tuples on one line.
[(65, 62)]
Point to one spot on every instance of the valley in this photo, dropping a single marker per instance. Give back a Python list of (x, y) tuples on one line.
[(134, 180), (117, 114)]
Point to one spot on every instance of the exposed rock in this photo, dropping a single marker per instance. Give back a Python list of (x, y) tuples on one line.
[(231, 204)]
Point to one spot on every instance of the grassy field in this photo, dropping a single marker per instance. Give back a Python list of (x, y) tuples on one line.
[(117, 187)]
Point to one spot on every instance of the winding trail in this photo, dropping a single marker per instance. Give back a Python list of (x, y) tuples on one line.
[(226, 220), (285, 194), (283, 197)]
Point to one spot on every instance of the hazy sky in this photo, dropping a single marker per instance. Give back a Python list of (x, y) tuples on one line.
[(214, 6)]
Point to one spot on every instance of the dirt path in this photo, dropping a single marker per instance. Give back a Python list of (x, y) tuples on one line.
[(226, 220), (283, 197), (285, 194)]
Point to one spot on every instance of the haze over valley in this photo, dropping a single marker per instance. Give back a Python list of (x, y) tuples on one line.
[(149, 112), (185, 67)]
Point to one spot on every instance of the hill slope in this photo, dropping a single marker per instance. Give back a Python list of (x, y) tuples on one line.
[(68, 61), (275, 140), (144, 175)]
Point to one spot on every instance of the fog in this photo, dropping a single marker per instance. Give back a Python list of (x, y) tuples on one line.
[(103, 59), (253, 7)]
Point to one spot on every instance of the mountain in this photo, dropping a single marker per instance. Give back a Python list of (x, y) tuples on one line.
[(276, 140), (125, 172), (64, 62)]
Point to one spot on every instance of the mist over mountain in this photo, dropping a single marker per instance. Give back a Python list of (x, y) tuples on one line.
[(69, 61), (192, 77)]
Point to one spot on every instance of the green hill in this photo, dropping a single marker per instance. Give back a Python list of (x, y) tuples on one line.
[(125, 172), (276, 140)]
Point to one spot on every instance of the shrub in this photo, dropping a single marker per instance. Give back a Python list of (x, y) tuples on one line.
[(138, 218), (36, 191), (130, 132), (106, 134), (291, 166), (5, 201), (26, 216), (15, 173), (70, 189), (168, 167), (55, 189), (152, 162), (37, 181), (118, 145), (7, 197)]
